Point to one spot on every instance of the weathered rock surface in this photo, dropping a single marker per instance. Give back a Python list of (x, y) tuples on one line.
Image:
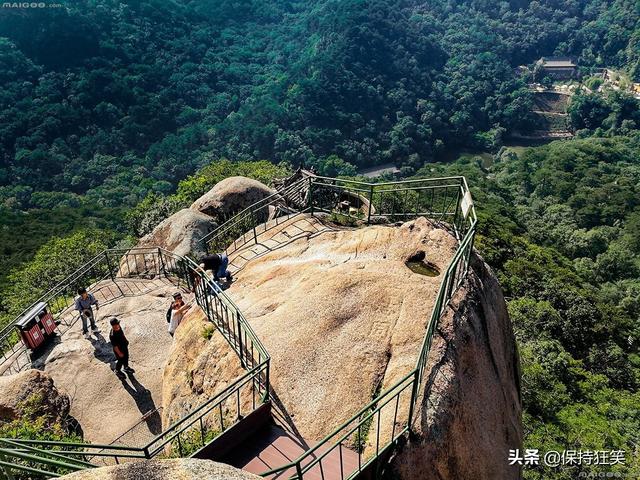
[(196, 366), (230, 196), (181, 233), (343, 318), (104, 405), (470, 413), (178, 469), (341, 314), (21, 387)]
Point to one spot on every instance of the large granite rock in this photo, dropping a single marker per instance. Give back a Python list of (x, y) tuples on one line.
[(197, 368), (17, 389), (230, 196), (343, 318), (340, 313), (181, 233), (177, 469), (470, 406)]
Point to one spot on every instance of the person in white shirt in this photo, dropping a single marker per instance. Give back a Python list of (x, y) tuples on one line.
[(178, 309)]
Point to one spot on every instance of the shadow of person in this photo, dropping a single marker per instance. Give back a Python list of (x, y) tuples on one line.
[(101, 349), (144, 401)]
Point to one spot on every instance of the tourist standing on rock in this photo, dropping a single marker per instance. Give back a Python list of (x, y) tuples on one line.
[(120, 346), (177, 311), (217, 263), (84, 304)]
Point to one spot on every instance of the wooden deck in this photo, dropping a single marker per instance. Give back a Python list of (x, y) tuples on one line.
[(272, 447), (257, 444)]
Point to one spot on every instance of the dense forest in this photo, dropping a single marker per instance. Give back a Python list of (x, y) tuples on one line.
[(109, 100), (104, 102), (113, 114), (560, 224)]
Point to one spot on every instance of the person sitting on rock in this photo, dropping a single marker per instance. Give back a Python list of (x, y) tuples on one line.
[(178, 309), (217, 263), (84, 303), (120, 346)]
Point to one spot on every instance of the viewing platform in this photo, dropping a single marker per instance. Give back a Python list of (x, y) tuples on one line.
[(334, 304)]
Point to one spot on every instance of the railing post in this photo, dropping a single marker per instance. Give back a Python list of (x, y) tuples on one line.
[(267, 393), (241, 352), (299, 471), (370, 204), (310, 197), (414, 395), (162, 268), (456, 215), (106, 257), (253, 225)]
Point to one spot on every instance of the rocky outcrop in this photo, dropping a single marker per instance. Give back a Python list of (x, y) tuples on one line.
[(343, 318), (31, 385), (197, 368), (231, 196), (178, 469), (181, 233), (341, 314), (470, 407)]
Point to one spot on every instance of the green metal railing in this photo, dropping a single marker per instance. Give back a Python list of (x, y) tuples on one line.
[(372, 431), (438, 199), (391, 414), (245, 226), (51, 458)]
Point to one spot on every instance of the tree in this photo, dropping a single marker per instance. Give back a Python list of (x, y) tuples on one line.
[(334, 166)]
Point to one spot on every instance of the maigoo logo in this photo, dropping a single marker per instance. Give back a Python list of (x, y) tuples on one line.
[(24, 5)]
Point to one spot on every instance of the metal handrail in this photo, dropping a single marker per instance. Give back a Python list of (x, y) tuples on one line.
[(464, 229), (166, 263), (451, 280), (90, 263), (248, 219)]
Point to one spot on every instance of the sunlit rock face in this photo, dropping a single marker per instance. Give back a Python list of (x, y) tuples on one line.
[(230, 196), (181, 233), (177, 469), (343, 314), (17, 390), (339, 311), (470, 412)]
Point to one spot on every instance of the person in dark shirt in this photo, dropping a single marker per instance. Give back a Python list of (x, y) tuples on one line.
[(120, 346), (217, 263)]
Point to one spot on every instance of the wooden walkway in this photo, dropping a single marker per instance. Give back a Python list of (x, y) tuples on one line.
[(272, 447), (257, 444)]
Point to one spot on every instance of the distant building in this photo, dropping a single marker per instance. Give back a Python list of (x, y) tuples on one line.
[(560, 68)]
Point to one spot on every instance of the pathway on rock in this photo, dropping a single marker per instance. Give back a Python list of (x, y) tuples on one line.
[(105, 406)]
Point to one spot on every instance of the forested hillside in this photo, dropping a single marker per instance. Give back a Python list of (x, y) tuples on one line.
[(561, 226), (114, 99), (106, 106), (105, 101)]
